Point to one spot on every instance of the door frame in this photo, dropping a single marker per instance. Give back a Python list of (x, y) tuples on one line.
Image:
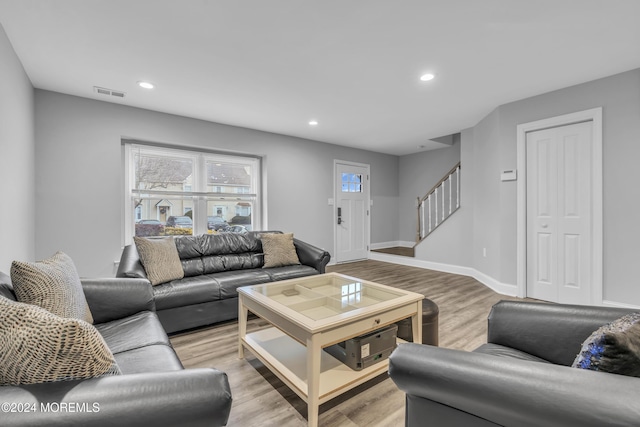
[(334, 215), (593, 115)]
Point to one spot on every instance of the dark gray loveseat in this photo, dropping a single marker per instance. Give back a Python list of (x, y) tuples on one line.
[(215, 265), (153, 389), (522, 377)]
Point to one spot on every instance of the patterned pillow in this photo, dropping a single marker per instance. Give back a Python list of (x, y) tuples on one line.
[(37, 346), (278, 250), (52, 284), (160, 259), (613, 348)]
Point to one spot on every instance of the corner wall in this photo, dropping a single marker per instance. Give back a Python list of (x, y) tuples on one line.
[(17, 223), (490, 147)]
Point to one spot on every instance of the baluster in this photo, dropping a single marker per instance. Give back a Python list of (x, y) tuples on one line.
[(442, 197), (450, 205), (421, 219), (436, 205), (458, 185), (429, 210)]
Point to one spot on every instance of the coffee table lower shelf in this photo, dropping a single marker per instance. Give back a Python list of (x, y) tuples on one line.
[(287, 359)]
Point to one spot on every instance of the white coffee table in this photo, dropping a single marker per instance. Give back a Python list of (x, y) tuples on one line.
[(314, 312)]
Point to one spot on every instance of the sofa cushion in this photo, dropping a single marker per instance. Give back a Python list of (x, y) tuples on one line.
[(230, 281), (279, 250), (52, 284), (229, 262), (290, 272), (152, 358), (38, 346), (613, 348), (160, 259), (131, 332), (229, 243), (502, 351), (186, 291)]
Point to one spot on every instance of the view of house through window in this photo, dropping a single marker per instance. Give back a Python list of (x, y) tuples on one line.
[(173, 192)]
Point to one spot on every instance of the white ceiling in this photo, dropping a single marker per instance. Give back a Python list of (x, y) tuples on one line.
[(353, 65)]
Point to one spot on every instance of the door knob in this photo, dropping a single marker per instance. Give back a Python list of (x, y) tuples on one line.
[(544, 225)]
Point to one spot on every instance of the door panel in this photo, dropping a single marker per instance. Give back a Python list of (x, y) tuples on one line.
[(559, 214), (352, 225)]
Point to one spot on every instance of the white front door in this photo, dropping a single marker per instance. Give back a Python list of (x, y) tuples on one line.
[(351, 211), (559, 219)]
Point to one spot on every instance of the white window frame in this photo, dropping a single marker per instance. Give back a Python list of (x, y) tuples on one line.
[(198, 186)]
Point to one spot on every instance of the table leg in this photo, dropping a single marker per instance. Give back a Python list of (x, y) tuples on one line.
[(243, 314), (313, 379), (416, 324)]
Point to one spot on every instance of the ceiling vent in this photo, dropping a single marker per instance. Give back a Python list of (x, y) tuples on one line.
[(108, 92)]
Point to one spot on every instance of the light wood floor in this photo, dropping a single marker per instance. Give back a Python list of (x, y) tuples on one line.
[(261, 399)]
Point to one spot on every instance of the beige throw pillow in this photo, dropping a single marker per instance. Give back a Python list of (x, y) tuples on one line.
[(160, 259), (52, 284), (37, 346), (278, 250)]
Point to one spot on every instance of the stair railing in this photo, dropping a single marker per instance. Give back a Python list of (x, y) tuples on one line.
[(439, 203)]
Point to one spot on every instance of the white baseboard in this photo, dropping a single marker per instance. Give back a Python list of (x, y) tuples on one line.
[(490, 282), (394, 244), (619, 305)]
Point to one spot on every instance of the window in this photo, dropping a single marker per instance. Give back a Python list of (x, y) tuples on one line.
[(351, 183), (170, 191)]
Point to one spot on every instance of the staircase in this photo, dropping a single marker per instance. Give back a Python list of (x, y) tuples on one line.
[(439, 203)]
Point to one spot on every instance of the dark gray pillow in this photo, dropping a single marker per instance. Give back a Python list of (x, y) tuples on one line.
[(613, 348)]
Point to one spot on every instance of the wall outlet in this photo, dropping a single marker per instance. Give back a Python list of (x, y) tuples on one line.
[(484, 252)]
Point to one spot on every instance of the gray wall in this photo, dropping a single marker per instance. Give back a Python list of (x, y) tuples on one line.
[(16, 159), (79, 176), (490, 147)]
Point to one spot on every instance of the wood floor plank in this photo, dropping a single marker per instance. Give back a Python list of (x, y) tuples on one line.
[(261, 399)]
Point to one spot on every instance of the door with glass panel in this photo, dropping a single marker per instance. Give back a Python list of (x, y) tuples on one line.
[(351, 211)]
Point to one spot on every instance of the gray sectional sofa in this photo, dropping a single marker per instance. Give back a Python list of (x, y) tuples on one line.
[(215, 265), (153, 389)]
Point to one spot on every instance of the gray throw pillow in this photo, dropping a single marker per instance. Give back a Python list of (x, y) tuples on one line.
[(52, 284), (160, 259), (278, 250), (613, 348)]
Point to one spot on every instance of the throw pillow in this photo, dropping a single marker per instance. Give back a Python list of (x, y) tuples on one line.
[(278, 250), (37, 346), (160, 259), (613, 348), (52, 284)]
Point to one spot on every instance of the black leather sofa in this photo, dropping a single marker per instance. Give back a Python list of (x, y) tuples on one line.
[(154, 388), (522, 377), (215, 265)]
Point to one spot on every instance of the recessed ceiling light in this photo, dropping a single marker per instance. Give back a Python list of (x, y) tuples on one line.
[(427, 77), (313, 123), (146, 85)]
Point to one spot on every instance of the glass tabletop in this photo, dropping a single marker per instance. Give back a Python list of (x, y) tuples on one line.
[(323, 296)]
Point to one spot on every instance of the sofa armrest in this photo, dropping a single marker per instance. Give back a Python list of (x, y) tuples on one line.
[(130, 265), (115, 298), (513, 392), (553, 332), (311, 255), (193, 397)]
